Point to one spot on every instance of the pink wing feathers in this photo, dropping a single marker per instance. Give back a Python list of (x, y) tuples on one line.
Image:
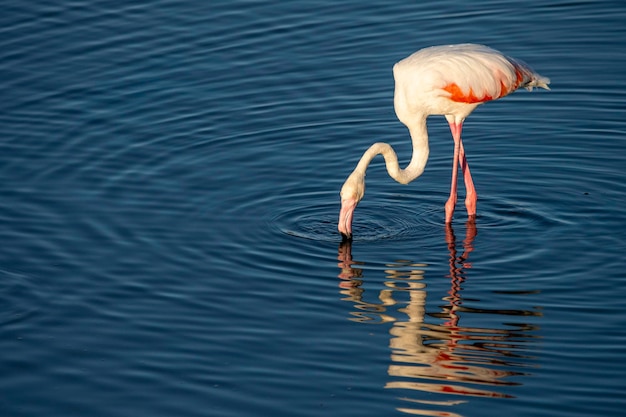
[(474, 74)]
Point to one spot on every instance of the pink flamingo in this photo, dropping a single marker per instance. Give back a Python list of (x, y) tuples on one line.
[(448, 80)]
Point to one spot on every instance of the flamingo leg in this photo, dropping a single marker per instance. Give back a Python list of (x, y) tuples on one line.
[(470, 192), (460, 159), (455, 128)]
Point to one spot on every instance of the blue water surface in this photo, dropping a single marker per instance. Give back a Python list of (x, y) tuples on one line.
[(170, 175)]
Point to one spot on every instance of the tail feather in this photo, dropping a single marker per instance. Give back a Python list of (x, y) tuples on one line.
[(530, 78), (539, 82)]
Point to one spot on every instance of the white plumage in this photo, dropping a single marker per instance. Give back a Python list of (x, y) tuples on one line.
[(449, 80)]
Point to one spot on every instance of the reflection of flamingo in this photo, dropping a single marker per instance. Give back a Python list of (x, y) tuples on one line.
[(457, 265), (454, 361), (448, 80)]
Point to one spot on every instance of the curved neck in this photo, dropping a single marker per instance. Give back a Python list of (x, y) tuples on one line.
[(419, 138)]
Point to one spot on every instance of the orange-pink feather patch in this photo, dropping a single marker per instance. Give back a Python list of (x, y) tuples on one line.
[(470, 97)]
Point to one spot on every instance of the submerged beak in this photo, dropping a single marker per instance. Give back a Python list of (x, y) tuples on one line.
[(345, 217)]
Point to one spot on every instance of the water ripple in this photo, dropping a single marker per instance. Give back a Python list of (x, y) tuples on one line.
[(393, 218), (374, 221), (309, 222), (20, 297)]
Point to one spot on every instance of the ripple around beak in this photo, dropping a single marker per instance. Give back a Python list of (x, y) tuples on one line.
[(372, 222), (400, 219)]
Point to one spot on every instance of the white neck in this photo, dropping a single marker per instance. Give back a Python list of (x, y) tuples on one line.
[(419, 138)]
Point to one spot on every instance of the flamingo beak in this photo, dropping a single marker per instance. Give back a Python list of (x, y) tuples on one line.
[(345, 217)]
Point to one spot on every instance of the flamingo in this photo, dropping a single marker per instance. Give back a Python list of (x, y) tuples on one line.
[(449, 80)]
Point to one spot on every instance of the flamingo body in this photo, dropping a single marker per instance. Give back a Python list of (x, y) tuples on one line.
[(449, 80)]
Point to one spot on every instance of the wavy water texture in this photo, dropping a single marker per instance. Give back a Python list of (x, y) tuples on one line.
[(170, 177)]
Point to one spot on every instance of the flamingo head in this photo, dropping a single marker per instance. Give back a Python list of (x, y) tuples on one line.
[(351, 193)]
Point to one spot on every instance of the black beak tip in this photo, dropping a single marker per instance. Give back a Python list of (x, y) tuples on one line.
[(346, 237)]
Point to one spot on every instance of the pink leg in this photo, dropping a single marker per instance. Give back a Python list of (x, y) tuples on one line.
[(470, 192), (460, 159), (456, 135)]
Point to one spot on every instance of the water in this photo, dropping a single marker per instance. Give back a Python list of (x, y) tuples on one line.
[(169, 179)]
